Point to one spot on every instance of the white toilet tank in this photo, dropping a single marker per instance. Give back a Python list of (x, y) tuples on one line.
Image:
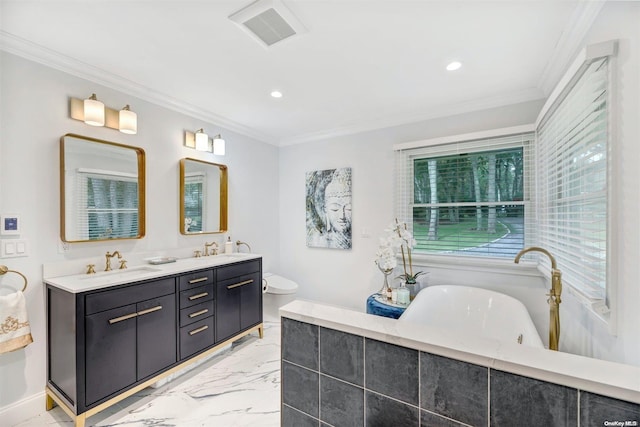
[(278, 291)]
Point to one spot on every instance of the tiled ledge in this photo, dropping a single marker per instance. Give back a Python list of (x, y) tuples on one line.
[(597, 376)]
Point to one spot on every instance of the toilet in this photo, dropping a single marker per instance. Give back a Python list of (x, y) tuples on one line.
[(278, 291)]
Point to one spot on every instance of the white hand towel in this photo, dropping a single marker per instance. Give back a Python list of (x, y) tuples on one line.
[(15, 331)]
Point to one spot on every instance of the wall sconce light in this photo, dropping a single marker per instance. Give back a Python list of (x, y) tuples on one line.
[(127, 121), (94, 113), (201, 142), (218, 145)]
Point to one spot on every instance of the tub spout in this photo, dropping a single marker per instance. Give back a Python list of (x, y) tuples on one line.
[(554, 296)]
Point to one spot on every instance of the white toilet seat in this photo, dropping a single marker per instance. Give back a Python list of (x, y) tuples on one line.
[(279, 285)]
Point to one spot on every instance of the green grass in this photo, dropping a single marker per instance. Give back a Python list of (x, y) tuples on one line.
[(457, 236)]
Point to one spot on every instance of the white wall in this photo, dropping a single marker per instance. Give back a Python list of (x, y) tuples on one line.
[(346, 278), (583, 333), (34, 115)]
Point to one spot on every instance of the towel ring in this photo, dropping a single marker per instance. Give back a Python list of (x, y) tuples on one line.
[(4, 270)]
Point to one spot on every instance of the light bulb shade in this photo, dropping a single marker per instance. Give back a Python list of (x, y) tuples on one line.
[(218, 146), (93, 111), (202, 141), (127, 121)]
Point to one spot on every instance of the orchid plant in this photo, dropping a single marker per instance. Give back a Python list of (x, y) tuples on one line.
[(386, 257), (405, 241)]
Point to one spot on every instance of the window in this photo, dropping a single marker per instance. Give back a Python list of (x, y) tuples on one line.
[(468, 198), (486, 195), (108, 205), (572, 151)]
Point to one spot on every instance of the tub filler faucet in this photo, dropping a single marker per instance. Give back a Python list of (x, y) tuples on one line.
[(554, 296)]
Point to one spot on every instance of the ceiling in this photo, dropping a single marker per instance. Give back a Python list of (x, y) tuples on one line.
[(361, 64)]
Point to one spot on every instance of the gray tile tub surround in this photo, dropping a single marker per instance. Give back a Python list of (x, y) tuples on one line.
[(523, 401), (342, 355), (300, 378), (300, 343), (392, 370), (300, 388), (341, 403), (293, 418), (454, 389), (382, 411), (597, 410)]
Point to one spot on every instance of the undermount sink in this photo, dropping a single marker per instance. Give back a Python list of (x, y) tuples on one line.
[(124, 273), (219, 259)]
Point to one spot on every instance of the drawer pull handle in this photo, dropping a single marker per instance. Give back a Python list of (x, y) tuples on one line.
[(202, 295), (202, 279), (122, 318), (199, 313), (246, 282), (149, 310), (200, 329)]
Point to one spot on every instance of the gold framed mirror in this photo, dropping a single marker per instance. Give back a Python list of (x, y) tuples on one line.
[(102, 190), (203, 197)]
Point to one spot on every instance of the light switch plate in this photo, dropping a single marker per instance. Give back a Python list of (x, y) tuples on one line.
[(13, 248)]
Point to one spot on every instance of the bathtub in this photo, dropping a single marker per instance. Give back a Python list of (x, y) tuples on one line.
[(475, 311)]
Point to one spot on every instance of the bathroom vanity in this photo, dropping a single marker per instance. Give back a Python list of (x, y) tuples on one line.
[(114, 333)]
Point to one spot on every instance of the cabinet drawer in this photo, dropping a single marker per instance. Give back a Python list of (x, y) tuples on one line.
[(196, 337), (196, 313), (235, 270), (196, 296), (238, 282), (113, 298), (198, 278)]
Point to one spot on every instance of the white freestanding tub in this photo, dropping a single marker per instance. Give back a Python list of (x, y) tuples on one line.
[(474, 311)]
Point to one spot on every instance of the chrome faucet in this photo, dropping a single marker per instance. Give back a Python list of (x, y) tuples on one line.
[(238, 243), (111, 255), (207, 246), (554, 296)]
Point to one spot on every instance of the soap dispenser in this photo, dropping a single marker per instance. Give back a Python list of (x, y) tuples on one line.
[(228, 246)]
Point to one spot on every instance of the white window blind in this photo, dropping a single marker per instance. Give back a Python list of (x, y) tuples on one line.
[(107, 205), (571, 188), (467, 198)]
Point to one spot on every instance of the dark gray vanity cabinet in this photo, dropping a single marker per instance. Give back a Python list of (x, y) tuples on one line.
[(238, 298), (102, 342), (196, 312), (105, 344)]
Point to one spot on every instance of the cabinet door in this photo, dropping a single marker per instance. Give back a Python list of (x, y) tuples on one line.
[(227, 310), (110, 352), (251, 301), (156, 335)]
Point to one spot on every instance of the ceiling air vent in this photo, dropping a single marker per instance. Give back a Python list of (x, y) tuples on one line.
[(268, 21)]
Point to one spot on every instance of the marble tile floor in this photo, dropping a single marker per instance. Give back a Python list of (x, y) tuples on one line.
[(238, 387)]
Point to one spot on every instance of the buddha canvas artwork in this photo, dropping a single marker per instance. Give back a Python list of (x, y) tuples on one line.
[(328, 210)]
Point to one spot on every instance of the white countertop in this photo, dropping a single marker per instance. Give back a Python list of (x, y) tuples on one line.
[(76, 283), (593, 375)]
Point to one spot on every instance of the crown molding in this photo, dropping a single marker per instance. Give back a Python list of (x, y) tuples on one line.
[(569, 43), (583, 17), (39, 54)]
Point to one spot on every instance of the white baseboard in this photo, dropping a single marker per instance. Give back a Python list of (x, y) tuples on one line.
[(22, 410)]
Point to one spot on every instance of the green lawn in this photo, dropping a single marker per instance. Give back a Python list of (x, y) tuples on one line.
[(457, 236)]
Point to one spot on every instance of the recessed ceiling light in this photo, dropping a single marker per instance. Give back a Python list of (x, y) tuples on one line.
[(454, 66), (276, 94)]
